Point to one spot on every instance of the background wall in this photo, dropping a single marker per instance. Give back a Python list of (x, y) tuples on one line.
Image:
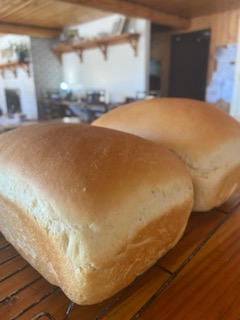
[(122, 74), (47, 69)]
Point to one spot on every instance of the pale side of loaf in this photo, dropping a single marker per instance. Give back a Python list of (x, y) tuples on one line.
[(90, 208), (204, 137)]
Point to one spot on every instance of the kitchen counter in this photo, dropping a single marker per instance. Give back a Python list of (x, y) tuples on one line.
[(198, 279)]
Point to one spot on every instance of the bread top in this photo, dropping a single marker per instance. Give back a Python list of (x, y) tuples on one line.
[(84, 180), (198, 132)]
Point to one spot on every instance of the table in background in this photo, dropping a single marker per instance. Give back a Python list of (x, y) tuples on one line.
[(62, 108)]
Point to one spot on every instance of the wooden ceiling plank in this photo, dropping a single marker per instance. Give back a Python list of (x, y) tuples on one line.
[(135, 10), (46, 13), (191, 8), (14, 8), (46, 33)]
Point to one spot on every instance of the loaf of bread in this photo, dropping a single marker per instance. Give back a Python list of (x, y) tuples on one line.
[(204, 137), (90, 208)]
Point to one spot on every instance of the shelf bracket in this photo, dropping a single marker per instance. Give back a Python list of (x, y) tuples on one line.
[(25, 66), (103, 48), (2, 73), (59, 57), (134, 43), (14, 71), (80, 54)]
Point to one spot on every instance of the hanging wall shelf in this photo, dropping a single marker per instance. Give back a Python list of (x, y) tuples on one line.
[(13, 66), (101, 43)]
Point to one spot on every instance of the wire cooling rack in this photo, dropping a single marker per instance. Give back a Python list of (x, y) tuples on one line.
[(23, 289), (50, 317), (26, 295)]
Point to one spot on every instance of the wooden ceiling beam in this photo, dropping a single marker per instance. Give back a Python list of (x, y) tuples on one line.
[(37, 32), (135, 10)]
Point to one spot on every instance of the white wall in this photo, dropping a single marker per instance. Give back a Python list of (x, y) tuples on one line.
[(122, 74), (22, 82)]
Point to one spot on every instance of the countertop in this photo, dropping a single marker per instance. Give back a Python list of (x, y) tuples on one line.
[(198, 279)]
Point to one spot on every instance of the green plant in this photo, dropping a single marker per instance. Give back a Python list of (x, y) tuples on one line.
[(21, 49)]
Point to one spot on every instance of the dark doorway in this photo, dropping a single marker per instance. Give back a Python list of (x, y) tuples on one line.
[(13, 100), (154, 76), (189, 64)]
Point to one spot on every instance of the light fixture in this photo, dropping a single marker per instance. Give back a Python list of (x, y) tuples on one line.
[(64, 86)]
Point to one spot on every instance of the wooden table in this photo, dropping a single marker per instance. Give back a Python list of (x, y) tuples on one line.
[(198, 279)]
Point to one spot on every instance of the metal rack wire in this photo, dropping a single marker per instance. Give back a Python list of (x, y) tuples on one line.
[(43, 315), (13, 268), (50, 317)]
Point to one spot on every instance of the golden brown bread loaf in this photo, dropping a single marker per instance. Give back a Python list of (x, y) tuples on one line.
[(204, 137), (90, 208)]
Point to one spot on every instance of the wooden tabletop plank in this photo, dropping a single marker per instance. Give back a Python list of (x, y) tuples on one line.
[(20, 279), (137, 294), (57, 304), (12, 266), (120, 306), (199, 227), (208, 286), (92, 311), (231, 204), (7, 253), (3, 242), (51, 304), (87, 312), (25, 298)]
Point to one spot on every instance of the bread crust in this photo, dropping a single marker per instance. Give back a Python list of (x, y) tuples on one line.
[(90, 208), (205, 138)]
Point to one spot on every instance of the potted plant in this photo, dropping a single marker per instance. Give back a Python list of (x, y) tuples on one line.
[(22, 51)]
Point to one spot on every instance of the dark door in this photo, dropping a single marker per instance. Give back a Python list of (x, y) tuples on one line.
[(189, 64), (13, 100)]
